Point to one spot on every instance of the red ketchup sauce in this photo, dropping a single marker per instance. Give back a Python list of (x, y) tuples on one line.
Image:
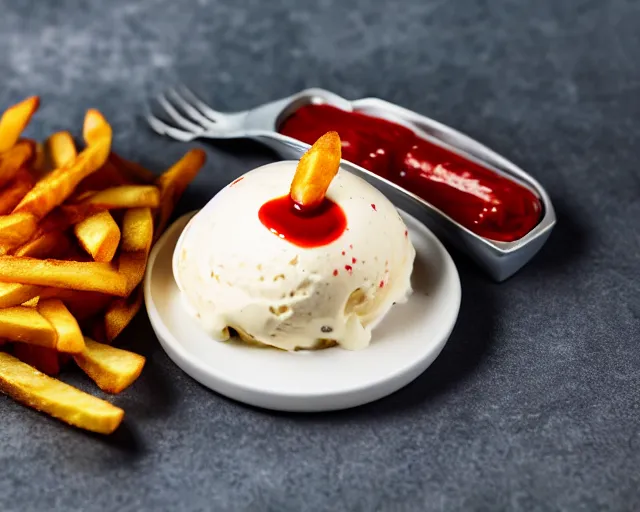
[(480, 199), (314, 228)]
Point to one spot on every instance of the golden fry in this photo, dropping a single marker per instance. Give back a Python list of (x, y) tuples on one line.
[(14, 191), (16, 229), (120, 313), (69, 336), (95, 127), (55, 187), (137, 230), (14, 121), (14, 294), (34, 389), (316, 169), (137, 236), (61, 149), (21, 323), (174, 182), (46, 192), (31, 303), (89, 276), (132, 265), (112, 369), (53, 244), (125, 196), (99, 235), (15, 159)]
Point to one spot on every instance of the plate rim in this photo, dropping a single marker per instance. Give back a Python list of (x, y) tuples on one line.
[(235, 388)]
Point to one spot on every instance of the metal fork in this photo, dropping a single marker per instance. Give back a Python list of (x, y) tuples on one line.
[(191, 118)]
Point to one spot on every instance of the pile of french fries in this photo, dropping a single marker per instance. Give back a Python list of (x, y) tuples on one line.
[(76, 228)]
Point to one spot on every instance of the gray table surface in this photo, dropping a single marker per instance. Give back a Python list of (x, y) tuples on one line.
[(534, 403)]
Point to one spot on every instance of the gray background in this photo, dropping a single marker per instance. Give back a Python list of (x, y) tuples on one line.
[(533, 405)]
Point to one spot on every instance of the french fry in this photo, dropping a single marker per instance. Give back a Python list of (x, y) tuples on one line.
[(125, 196), (99, 235), (14, 121), (132, 265), (53, 244), (316, 169), (120, 313), (21, 323), (61, 149), (16, 229), (35, 389), (81, 304), (137, 235), (95, 127), (56, 186), (48, 191), (174, 182), (32, 303), (15, 190), (137, 230), (15, 159), (112, 369), (14, 294), (132, 171), (89, 276), (69, 337), (43, 359)]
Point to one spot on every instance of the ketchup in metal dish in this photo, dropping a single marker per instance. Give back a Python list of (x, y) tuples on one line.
[(314, 228), (483, 201)]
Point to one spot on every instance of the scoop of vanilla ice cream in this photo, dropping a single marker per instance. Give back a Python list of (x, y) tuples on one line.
[(235, 273)]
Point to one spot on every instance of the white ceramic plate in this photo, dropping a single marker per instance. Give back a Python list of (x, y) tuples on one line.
[(403, 345)]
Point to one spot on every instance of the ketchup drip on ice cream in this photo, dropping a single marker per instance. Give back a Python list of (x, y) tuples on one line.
[(313, 228), (480, 199)]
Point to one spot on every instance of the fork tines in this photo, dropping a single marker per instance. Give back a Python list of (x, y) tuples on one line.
[(181, 106)]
